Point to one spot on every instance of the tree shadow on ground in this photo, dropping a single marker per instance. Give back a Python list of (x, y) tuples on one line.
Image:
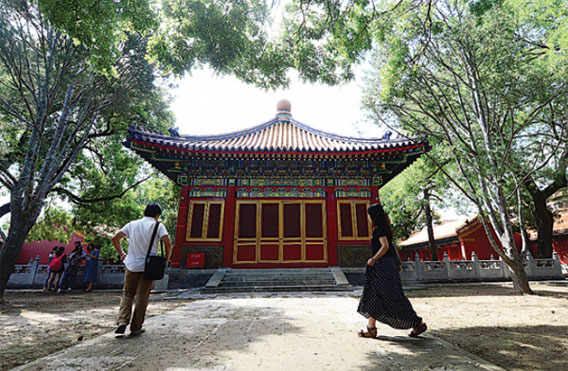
[(198, 336), (479, 290), (422, 353), (36, 324), (513, 348), (542, 347)]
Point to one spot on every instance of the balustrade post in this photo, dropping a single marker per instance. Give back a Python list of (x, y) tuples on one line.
[(418, 267), (448, 265), (476, 268), (530, 269), (557, 265), (34, 267)]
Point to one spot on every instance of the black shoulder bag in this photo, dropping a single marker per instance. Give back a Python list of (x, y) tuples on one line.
[(155, 265)]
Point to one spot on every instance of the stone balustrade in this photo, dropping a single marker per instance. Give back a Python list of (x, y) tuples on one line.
[(477, 270), (34, 274)]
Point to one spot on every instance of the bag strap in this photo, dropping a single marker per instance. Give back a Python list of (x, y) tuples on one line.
[(152, 240)]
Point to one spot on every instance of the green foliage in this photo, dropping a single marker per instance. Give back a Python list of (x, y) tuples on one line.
[(229, 36), (101, 26), (103, 219), (56, 224)]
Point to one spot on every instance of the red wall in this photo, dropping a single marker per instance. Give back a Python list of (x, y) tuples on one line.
[(561, 247), (42, 248), (453, 251)]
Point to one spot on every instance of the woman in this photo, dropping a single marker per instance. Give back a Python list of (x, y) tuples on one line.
[(92, 267), (383, 298), (49, 259), (56, 268)]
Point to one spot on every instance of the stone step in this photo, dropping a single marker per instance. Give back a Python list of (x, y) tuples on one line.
[(278, 270), (276, 274), (267, 280), (221, 289), (276, 278), (279, 283)]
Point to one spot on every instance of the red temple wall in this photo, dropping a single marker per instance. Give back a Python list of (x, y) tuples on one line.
[(560, 245), (331, 217), (42, 249)]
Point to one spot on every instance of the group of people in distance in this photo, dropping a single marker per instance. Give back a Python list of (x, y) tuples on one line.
[(62, 268)]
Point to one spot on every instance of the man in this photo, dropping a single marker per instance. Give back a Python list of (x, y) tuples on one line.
[(139, 232)]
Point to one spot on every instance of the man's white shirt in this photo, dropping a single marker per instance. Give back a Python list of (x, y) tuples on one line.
[(139, 233)]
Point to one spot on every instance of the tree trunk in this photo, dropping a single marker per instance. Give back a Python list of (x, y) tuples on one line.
[(429, 225), (544, 226), (22, 219), (519, 277), (11, 248), (507, 251)]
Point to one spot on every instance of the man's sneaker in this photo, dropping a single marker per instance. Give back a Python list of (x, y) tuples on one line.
[(69, 289), (120, 329), (59, 291)]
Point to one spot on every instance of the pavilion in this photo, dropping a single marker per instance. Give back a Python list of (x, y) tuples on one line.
[(277, 195)]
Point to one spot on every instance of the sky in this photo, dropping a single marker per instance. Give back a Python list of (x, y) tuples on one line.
[(208, 104)]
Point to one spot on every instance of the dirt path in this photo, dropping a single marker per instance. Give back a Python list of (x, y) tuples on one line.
[(515, 332)]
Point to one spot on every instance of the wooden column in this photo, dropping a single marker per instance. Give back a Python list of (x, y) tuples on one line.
[(229, 226), (375, 195), (181, 227), (331, 207)]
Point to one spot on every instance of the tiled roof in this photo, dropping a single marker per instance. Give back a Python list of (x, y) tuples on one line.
[(446, 229), (276, 135)]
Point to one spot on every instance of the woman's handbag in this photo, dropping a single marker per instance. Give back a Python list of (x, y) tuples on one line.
[(155, 265)]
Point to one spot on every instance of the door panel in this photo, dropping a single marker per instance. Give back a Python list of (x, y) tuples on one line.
[(270, 252), (280, 232), (315, 252), (292, 252)]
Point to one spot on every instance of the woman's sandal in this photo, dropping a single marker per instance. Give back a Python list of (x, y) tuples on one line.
[(418, 330), (371, 333)]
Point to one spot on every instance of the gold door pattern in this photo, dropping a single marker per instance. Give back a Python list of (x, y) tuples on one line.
[(280, 231)]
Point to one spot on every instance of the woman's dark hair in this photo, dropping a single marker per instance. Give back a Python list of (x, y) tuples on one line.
[(93, 246), (60, 250), (152, 210), (78, 246), (379, 217)]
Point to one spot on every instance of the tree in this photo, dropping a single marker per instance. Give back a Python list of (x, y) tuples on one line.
[(57, 107), (464, 87), (409, 198), (475, 76)]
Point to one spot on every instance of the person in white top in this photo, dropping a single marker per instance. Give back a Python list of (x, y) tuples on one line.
[(139, 232)]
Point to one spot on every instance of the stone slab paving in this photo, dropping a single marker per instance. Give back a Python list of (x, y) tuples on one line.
[(275, 332)]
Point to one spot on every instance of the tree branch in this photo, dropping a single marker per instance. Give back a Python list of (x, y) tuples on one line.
[(79, 200)]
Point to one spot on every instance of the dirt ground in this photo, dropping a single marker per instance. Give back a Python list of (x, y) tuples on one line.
[(514, 332), (35, 324)]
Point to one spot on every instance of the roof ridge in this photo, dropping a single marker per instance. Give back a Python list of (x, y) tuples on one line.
[(269, 123)]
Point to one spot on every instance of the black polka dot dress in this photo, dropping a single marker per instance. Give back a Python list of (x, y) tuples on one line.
[(383, 297)]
